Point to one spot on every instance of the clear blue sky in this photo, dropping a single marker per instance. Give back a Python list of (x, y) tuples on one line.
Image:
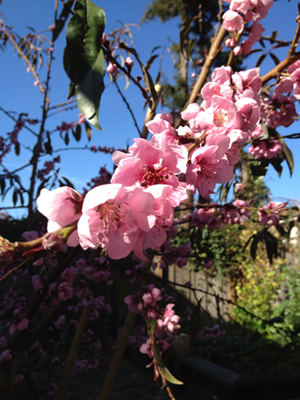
[(19, 94)]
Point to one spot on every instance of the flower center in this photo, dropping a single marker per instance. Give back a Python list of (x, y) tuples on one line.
[(208, 169), (110, 214), (153, 176), (219, 117)]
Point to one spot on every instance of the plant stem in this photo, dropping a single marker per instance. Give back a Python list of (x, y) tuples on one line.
[(214, 49)]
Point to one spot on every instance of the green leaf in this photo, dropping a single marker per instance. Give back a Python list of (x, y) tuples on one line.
[(271, 245), (83, 57), (150, 84), (60, 22), (275, 58), (47, 145), (150, 61), (259, 167), (67, 139), (42, 185), (288, 155), (88, 130), (67, 182), (15, 197), (260, 60), (17, 148), (89, 92), (2, 185), (157, 356), (72, 91), (273, 37), (255, 240), (147, 77), (77, 133), (276, 162), (163, 369)]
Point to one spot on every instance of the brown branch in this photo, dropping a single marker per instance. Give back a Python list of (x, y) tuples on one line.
[(214, 50), (36, 154), (15, 44), (289, 60)]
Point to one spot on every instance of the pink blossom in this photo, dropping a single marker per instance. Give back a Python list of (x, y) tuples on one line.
[(232, 21), (61, 206), (208, 166), (268, 215), (237, 213), (65, 291), (147, 165), (113, 218)]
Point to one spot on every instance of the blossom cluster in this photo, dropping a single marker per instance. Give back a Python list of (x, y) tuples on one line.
[(239, 14), (133, 211)]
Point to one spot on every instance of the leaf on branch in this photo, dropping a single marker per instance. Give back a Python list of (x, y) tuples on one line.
[(259, 167), (262, 43), (77, 133), (273, 37), (2, 185), (15, 197), (67, 139), (60, 22), (260, 60), (150, 61), (282, 44), (276, 162), (17, 148), (42, 185), (275, 58), (271, 245), (84, 59), (158, 358), (286, 154), (47, 145), (67, 182), (258, 237), (88, 130), (147, 77)]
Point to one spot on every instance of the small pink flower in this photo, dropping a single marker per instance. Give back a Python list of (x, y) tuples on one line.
[(233, 21)]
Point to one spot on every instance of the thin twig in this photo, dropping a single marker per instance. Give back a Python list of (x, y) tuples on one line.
[(128, 106), (15, 44), (14, 119)]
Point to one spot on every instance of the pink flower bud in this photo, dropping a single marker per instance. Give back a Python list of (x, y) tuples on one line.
[(103, 38), (6, 252), (238, 50), (51, 28), (129, 62), (52, 242), (112, 68)]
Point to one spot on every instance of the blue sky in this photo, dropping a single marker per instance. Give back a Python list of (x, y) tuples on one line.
[(19, 94)]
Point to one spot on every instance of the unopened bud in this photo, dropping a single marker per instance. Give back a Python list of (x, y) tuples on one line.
[(112, 68), (7, 251), (52, 242)]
